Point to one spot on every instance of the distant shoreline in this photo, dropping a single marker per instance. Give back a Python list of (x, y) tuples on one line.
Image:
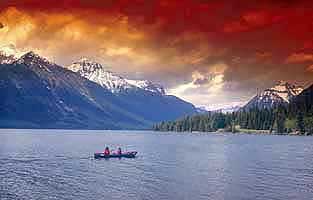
[(244, 131), (220, 131)]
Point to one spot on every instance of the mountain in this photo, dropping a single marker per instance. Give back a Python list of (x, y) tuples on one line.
[(8, 54), (141, 97), (303, 102), (148, 86), (6, 59), (281, 93), (36, 93), (98, 74), (201, 110), (229, 109)]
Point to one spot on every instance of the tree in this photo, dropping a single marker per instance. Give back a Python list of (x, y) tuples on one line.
[(290, 125), (202, 125), (300, 123), (308, 123), (280, 119)]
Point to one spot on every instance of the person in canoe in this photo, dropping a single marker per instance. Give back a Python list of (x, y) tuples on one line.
[(119, 151), (107, 151)]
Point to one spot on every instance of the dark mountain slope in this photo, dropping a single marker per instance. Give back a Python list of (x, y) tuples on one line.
[(155, 107), (49, 96), (303, 102)]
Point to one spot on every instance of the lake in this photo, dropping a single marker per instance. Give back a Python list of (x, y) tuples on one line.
[(59, 164)]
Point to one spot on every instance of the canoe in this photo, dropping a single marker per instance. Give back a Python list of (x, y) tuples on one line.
[(131, 154)]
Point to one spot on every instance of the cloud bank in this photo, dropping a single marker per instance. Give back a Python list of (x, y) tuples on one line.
[(207, 52)]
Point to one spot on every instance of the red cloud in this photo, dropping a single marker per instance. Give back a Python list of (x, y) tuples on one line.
[(252, 20)]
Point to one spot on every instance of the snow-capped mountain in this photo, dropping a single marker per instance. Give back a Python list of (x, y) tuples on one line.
[(8, 54), (147, 85), (55, 97), (282, 93), (201, 110), (303, 102), (229, 109), (107, 79), (285, 90), (32, 59), (6, 59)]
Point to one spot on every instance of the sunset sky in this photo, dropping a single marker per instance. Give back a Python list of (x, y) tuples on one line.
[(213, 53)]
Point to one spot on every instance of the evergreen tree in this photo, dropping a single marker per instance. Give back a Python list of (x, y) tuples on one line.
[(280, 119), (308, 122), (290, 125), (300, 123)]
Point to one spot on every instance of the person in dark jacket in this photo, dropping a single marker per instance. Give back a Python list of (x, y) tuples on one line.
[(119, 151)]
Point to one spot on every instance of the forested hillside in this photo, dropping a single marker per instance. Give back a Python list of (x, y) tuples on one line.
[(297, 117)]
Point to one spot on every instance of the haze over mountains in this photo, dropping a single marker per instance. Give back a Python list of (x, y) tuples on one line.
[(36, 93)]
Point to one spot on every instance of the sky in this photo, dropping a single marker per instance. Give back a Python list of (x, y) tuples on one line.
[(213, 53)]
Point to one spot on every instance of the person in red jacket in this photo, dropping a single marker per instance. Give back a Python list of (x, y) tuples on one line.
[(107, 151)]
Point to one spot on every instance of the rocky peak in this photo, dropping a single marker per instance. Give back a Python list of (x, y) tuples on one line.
[(285, 90), (6, 59), (33, 60), (8, 54), (85, 65), (148, 85), (281, 93), (97, 73)]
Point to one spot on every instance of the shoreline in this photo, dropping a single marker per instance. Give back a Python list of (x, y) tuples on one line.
[(241, 132), (220, 131)]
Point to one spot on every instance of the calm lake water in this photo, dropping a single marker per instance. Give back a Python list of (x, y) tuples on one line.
[(56, 164)]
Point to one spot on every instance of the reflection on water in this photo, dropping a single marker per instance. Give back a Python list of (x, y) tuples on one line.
[(56, 164)]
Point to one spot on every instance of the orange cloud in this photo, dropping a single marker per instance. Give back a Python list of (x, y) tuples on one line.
[(263, 56), (56, 34), (299, 58), (310, 68)]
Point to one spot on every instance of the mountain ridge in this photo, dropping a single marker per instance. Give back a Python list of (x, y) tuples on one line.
[(36, 93), (281, 93), (303, 102), (97, 73)]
